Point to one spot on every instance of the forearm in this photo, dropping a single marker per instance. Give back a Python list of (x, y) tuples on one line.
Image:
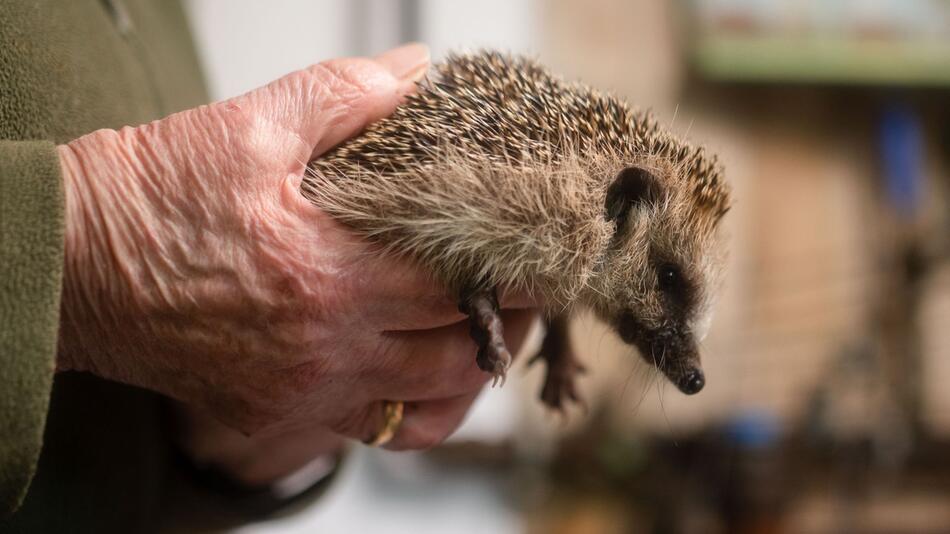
[(94, 245)]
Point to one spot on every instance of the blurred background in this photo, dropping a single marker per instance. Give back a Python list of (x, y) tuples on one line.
[(827, 407)]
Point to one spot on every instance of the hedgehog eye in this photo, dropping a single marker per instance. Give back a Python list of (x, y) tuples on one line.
[(669, 278), (633, 186)]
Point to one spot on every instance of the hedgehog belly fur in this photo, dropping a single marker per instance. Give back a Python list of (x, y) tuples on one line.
[(475, 223)]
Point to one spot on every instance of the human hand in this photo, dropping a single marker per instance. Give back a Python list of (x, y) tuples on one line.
[(195, 268)]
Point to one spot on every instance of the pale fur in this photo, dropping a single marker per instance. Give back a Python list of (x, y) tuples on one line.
[(495, 175)]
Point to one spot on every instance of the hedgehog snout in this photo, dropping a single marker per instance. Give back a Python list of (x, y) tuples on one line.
[(683, 369), (674, 352), (692, 382)]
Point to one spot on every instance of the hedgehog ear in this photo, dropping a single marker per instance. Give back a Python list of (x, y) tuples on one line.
[(633, 186)]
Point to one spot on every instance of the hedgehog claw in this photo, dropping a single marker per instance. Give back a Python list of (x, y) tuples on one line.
[(499, 373), (499, 377)]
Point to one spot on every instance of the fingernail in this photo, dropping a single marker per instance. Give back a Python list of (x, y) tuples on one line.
[(408, 62)]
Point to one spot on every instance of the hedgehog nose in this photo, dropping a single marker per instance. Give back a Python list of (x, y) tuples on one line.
[(693, 382)]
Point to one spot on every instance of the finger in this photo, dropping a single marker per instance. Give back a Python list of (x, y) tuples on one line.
[(406, 65), (429, 423), (436, 379), (333, 100), (440, 363), (407, 62), (398, 295)]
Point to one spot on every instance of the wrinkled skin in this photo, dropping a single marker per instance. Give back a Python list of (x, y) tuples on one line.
[(195, 268)]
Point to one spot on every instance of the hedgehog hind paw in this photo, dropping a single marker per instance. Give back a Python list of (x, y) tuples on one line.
[(560, 387), (563, 368)]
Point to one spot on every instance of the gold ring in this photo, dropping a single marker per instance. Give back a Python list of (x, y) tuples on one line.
[(392, 418)]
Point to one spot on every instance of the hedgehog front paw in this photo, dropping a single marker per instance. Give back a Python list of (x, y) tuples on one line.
[(487, 329), (494, 359)]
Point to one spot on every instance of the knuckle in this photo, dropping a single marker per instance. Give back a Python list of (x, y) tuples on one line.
[(255, 416), (420, 438), (360, 425), (345, 79)]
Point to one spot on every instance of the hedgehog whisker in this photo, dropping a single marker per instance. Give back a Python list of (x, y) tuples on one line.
[(651, 376), (495, 173)]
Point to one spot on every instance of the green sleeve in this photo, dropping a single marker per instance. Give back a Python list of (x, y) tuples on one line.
[(31, 272)]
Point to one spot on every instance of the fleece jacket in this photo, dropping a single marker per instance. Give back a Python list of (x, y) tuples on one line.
[(76, 453)]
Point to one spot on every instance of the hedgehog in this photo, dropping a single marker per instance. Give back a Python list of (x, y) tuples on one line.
[(499, 175)]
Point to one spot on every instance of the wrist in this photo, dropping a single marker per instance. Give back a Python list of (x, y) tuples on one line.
[(97, 188), (77, 259)]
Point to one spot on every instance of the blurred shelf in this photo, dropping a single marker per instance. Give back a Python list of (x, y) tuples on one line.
[(824, 60)]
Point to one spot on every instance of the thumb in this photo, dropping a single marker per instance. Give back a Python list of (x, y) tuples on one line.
[(331, 101)]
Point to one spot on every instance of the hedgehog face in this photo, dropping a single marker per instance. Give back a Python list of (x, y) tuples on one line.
[(660, 272)]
